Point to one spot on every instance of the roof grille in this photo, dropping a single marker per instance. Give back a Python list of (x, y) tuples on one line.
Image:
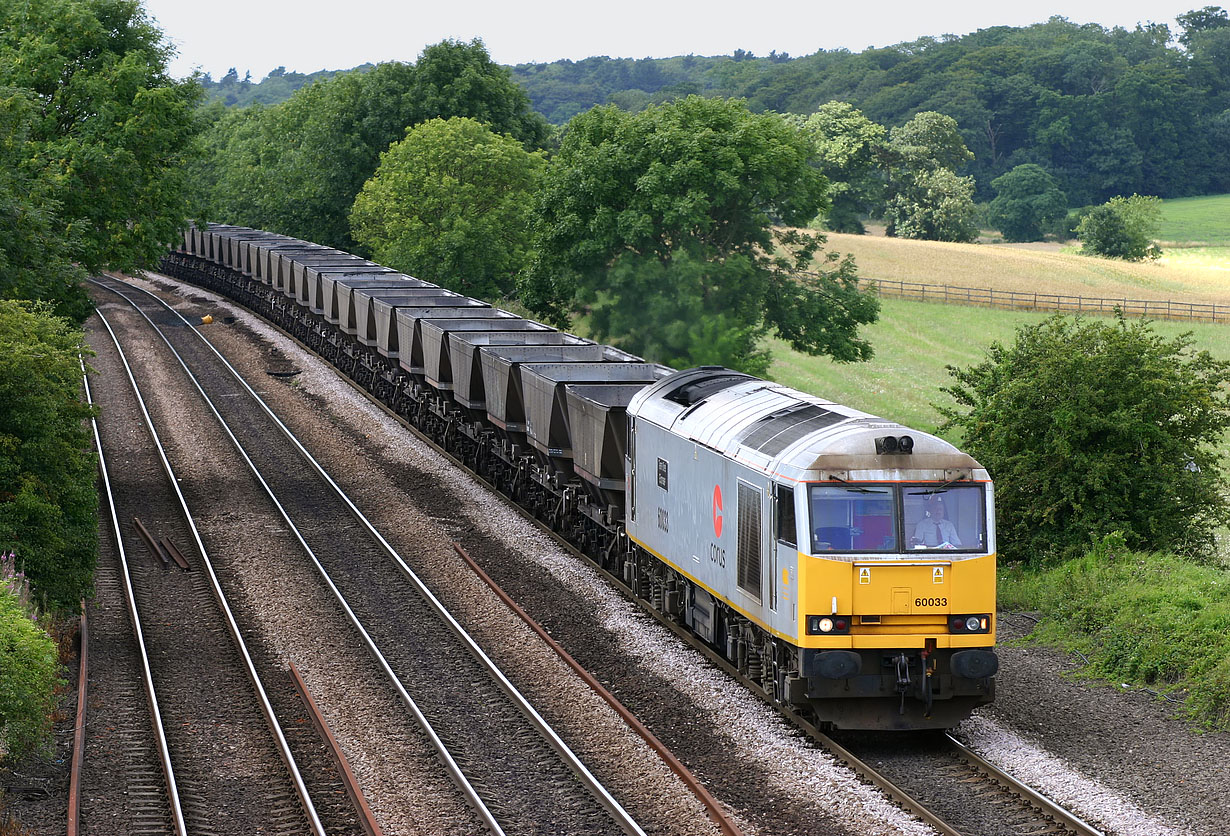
[(775, 432), (698, 389)]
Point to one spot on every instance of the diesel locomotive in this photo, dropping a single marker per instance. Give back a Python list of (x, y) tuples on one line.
[(844, 564)]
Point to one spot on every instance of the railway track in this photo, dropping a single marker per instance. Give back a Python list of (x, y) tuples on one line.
[(516, 772), (199, 683), (969, 780)]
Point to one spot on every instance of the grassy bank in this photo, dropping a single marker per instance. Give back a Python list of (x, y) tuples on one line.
[(1147, 620)]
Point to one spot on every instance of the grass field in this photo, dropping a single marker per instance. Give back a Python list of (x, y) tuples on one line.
[(1196, 221), (913, 343)]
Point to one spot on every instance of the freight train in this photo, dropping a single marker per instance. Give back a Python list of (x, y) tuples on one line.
[(843, 563)]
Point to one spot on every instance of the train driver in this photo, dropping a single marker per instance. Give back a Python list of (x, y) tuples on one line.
[(934, 529)]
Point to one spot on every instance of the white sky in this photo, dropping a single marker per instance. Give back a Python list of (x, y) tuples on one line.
[(310, 35)]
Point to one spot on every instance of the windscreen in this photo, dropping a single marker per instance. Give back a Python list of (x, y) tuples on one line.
[(853, 518)]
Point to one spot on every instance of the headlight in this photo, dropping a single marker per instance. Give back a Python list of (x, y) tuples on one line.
[(969, 624), (823, 625)]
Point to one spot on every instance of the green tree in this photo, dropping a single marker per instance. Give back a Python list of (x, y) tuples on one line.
[(1092, 427), (36, 252), (927, 199), (1196, 21), (1123, 227), (296, 167), (451, 203), (452, 78), (662, 223), (932, 205), (29, 673), (1027, 200), (850, 151), (111, 130), (48, 499), (929, 141)]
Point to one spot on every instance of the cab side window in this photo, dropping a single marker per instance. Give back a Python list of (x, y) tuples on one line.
[(786, 527)]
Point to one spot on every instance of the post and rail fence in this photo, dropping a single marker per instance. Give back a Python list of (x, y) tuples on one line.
[(1029, 301)]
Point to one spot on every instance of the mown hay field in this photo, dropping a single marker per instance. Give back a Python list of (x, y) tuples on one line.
[(1034, 269)]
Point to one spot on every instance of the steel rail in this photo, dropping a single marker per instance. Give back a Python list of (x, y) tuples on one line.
[(1032, 796), (367, 819), (232, 625), (608, 802), (147, 677), (719, 816), (78, 761)]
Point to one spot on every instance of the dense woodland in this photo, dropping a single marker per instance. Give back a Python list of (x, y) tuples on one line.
[(1105, 111)]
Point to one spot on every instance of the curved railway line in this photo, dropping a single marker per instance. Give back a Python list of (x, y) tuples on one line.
[(516, 772), (957, 779)]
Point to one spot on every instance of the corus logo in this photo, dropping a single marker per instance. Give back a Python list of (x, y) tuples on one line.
[(717, 511)]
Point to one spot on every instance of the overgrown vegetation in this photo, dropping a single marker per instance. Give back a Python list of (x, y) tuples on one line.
[(93, 138), (1106, 110), (660, 226), (1027, 203), (452, 203), (296, 168), (29, 670), (1146, 618)]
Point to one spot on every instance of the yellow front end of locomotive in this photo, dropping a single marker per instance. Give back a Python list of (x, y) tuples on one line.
[(896, 603)]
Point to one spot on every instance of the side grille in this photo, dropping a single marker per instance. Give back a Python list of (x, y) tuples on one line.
[(748, 558)]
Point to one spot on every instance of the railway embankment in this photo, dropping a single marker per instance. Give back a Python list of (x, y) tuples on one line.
[(1155, 623)]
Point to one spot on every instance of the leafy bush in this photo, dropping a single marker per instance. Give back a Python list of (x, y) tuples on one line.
[(1091, 427), (1151, 619), (933, 205), (1123, 227), (28, 670)]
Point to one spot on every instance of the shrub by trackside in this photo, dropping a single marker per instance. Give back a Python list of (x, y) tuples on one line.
[(1151, 620), (29, 671)]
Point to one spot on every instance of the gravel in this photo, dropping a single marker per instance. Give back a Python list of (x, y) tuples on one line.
[(1132, 745), (282, 609)]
